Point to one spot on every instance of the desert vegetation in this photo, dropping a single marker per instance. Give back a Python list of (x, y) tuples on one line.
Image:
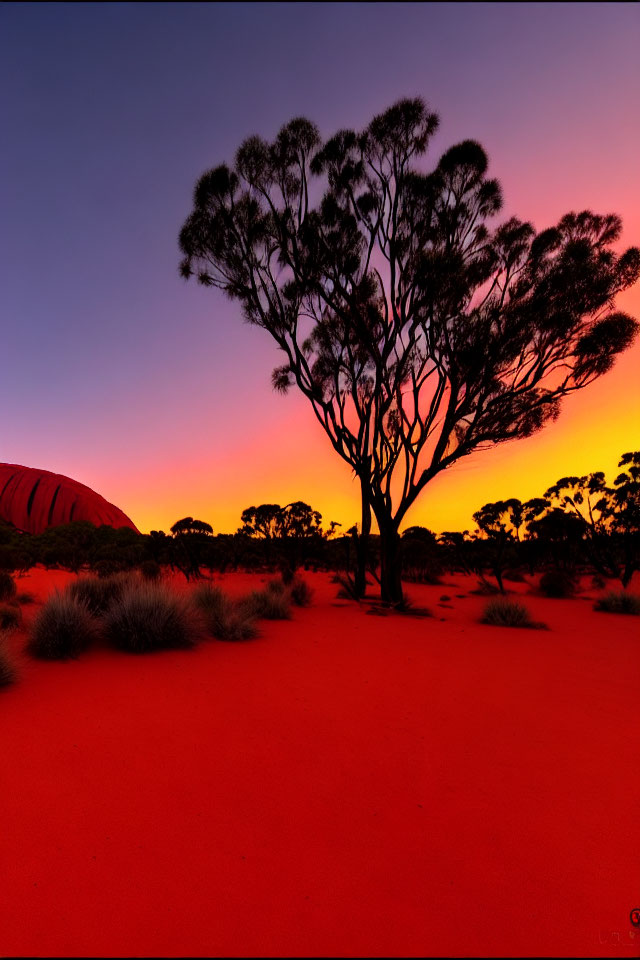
[(619, 602), (224, 618), (9, 616), (8, 672), (144, 617), (580, 526), (63, 628), (503, 612)]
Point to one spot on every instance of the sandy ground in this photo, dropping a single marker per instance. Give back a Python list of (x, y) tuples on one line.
[(346, 784)]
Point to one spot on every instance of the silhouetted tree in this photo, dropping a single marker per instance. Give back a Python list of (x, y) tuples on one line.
[(586, 499), (191, 546), (188, 526), (419, 555), (262, 521), (299, 520), (270, 521), (417, 332), (621, 513), (499, 522), (456, 546), (560, 535)]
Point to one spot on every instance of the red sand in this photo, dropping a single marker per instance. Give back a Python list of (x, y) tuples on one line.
[(346, 785)]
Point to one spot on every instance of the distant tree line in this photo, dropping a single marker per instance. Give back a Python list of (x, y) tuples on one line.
[(579, 525)]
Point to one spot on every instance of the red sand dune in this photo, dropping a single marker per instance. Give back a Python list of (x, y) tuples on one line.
[(346, 785)]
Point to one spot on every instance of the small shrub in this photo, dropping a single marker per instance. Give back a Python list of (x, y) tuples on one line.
[(287, 572), (150, 570), (97, 592), (598, 582), (513, 575), (7, 669), (211, 603), (147, 617), (427, 572), (224, 618), (269, 604), (485, 588), (502, 612), (238, 622), (301, 592), (619, 602), (9, 617), (277, 586), (347, 589), (8, 588), (557, 584), (63, 628)]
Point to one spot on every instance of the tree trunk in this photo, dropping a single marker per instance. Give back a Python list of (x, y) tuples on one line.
[(390, 579), (362, 546)]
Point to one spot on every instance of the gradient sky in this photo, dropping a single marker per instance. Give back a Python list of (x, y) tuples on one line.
[(153, 391)]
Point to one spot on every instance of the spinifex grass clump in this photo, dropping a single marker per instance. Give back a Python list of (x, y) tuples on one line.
[(7, 587), (9, 616), (224, 618), (98, 593), (301, 592), (272, 603), (63, 628), (619, 602), (149, 616), (557, 584), (7, 669), (502, 612)]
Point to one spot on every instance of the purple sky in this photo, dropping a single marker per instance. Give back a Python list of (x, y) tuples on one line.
[(114, 370)]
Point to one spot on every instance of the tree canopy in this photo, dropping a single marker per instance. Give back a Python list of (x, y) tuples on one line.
[(270, 521)]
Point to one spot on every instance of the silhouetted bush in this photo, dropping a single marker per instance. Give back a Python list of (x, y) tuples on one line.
[(7, 586), (7, 669), (557, 584), (149, 616), (502, 612), (485, 589), (301, 592), (211, 603), (269, 604), (9, 616), (277, 585), (63, 628), (97, 592), (619, 602), (150, 570), (514, 576), (105, 569), (238, 623), (224, 618)]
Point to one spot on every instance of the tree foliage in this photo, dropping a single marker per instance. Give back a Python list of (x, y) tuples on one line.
[(270, 521)]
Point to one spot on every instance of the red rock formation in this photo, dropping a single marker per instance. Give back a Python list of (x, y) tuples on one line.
[(33, 500)]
